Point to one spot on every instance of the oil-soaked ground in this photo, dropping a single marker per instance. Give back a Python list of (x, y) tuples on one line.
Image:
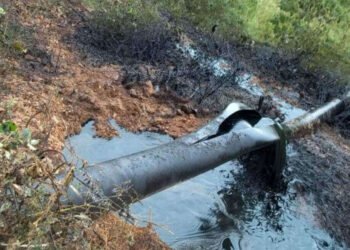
[(212, 73), (220, 209)]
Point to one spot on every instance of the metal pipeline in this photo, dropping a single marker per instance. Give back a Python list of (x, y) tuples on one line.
[(312, 118), (237, 131)]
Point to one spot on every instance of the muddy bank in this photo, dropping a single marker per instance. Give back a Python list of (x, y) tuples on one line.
[(167, 65), (164, 64)]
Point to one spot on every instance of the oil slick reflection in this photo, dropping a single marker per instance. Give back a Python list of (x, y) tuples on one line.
[(225, 208)]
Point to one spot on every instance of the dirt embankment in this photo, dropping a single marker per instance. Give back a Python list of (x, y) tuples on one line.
[(59, 93), (55, 92)]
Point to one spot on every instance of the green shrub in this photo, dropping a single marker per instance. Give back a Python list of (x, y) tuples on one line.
[(319, 28), (316, 28), (117, 16)]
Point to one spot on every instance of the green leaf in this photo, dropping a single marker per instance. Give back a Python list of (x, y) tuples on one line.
[(1, 145), (7, 127), (19, 47), (2, 11)]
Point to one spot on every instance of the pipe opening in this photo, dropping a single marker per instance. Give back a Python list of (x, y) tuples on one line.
[(250, 117)]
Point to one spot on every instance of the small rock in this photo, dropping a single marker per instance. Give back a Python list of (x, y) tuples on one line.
[(166, 112), (133, 93), (117, 79), (36, 78), (186, 108), (179, 112), (149, 87), (156, 88), (29, 57), (204, 111)]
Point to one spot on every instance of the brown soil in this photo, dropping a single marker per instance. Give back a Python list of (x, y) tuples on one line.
[(71, 93), (55, 93)]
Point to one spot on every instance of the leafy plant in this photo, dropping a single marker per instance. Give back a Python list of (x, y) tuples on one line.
[(7, 127), (2, 11)]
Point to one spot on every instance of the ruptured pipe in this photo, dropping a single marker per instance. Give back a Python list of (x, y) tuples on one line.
[(238, 130)]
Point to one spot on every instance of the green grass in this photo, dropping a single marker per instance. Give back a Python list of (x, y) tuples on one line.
[(317, 28), (121, 16)]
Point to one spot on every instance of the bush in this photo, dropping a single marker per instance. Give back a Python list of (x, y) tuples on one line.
[(317, 28), (118, 17)]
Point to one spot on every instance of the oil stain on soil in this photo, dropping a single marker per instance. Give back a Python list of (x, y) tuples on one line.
[(78, 78), (192, 74)]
